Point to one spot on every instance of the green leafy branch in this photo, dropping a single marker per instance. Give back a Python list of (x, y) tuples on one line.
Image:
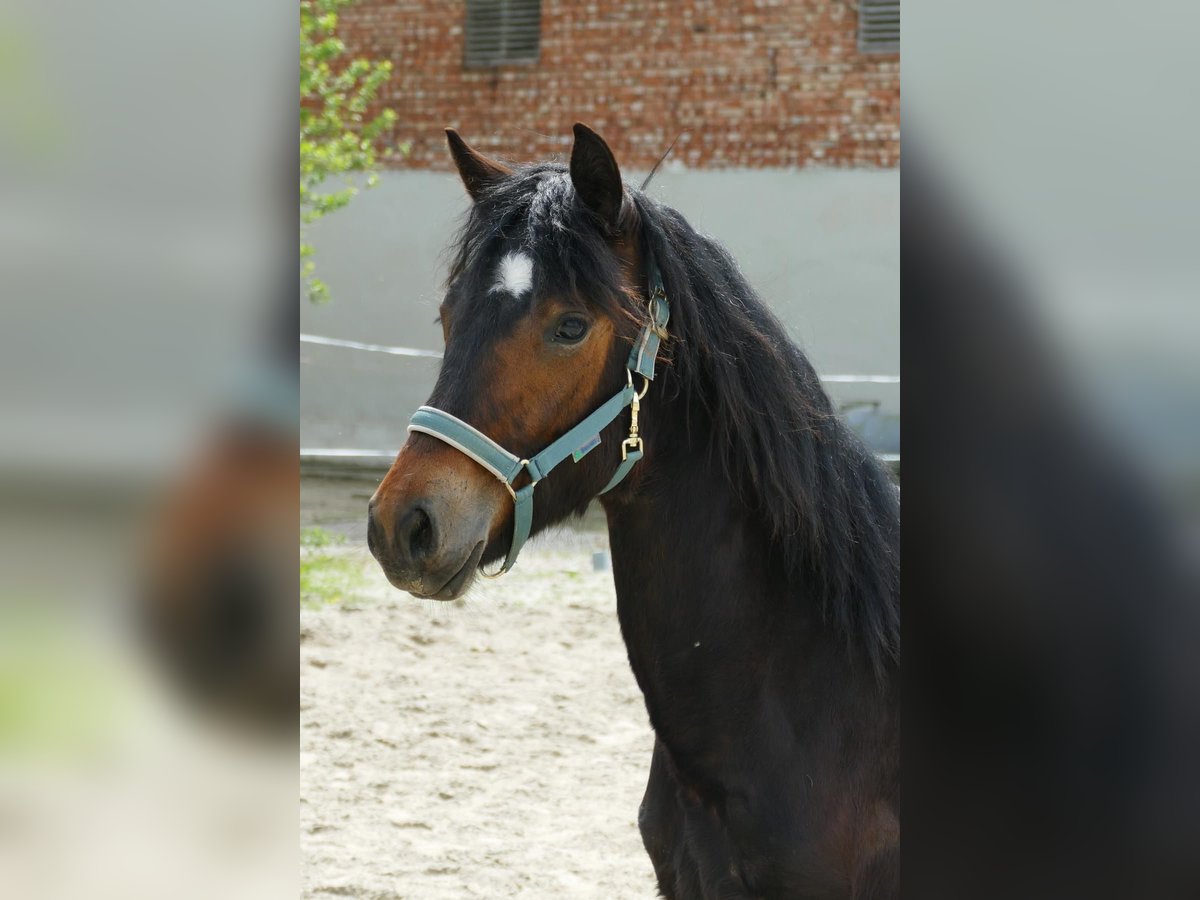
[(337, 138)]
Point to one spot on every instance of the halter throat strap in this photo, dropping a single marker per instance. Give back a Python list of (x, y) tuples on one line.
[(577, 442)]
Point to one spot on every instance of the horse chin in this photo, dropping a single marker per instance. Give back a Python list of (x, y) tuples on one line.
[(457, 584)]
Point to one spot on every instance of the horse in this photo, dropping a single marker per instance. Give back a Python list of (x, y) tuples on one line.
[(754, 539)]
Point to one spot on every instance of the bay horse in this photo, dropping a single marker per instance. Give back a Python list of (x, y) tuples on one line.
[(754, 539)]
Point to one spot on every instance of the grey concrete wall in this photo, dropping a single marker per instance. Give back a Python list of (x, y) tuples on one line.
[(822, 246)]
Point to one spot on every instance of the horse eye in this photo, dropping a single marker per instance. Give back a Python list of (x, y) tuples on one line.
[(570, 329)]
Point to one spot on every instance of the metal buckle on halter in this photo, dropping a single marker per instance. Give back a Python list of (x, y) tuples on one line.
[(656, 294), (639, 394), (508, 484)]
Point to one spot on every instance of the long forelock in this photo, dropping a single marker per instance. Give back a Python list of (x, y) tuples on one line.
[(534, 212)]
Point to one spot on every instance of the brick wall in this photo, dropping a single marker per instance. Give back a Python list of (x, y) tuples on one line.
[(756, 83)]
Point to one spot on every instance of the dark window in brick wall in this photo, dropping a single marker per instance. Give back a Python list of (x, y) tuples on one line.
[(879, 26), (499, 32)]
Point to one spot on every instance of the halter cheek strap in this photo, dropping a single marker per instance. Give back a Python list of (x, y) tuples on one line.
[(576, 443)]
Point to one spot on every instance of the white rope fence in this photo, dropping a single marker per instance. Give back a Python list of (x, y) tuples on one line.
[(330, 453), (370, 348)]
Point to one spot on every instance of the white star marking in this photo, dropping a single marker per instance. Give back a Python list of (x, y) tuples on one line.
[(514, 275)]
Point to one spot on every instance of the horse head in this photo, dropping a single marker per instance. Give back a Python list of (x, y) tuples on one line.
[(547, 294)]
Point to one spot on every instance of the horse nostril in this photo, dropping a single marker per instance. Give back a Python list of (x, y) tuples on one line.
[(417, 532), (372, 532)]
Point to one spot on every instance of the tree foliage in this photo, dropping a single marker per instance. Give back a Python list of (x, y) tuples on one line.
[(337, 138)]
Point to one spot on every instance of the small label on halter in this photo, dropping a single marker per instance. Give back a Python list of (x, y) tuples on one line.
[(592, 443)]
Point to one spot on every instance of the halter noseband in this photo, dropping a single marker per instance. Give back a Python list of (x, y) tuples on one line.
[(576, 443)]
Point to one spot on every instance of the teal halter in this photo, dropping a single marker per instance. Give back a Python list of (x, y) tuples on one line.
[(576, 443)]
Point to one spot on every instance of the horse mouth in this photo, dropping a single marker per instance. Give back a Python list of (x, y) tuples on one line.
[(458, 583)]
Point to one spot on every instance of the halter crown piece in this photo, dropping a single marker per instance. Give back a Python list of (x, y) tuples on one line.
[(575, 443)]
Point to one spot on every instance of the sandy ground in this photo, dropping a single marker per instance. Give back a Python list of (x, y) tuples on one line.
[(495, 747)]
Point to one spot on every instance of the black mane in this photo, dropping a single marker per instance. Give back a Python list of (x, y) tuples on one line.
[(831, 507)]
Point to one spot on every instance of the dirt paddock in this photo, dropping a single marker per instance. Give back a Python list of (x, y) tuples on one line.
[(496, 747)]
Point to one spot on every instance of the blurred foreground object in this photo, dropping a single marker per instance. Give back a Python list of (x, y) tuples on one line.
[(1052, 450), (1053, 605), (219, 604), (145, 220)]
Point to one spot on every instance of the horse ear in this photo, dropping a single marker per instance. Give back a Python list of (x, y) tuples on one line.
[(478, 172), (595, 175)]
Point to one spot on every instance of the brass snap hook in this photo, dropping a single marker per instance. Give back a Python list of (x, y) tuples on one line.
[(634, 442)]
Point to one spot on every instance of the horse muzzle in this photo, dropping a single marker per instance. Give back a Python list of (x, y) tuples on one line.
[(431, 519)]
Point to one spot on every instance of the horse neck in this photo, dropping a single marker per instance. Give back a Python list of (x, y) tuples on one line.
[(702, 591)]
